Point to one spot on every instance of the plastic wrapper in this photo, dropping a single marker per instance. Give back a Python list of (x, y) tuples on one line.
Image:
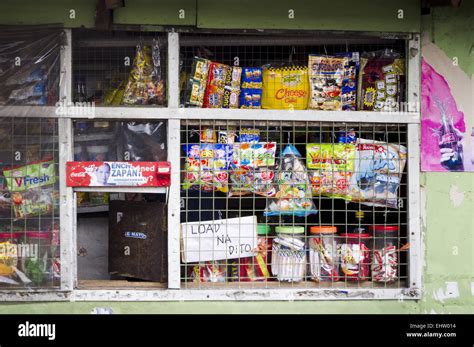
[(214, 94), (29, 66), (206, 167), (385, 264), (293, 196), (330, 168), (232, 88), (251, 88), (211, 271), (249, 135), (381, 81), (32, 188), (377, 173), (208, 135), (349, 81), (252, 269), (355, 261), (144, 141), (323, 260), (326, 77), (145, 85), (251, 169), (288, 259), (285, 87), (196, 86)]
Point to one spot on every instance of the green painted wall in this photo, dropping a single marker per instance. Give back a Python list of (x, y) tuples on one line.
[(448, 230)]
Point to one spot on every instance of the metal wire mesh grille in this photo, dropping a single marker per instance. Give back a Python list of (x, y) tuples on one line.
[(212, 199), (29, 203), (103, 63), (257, 50)]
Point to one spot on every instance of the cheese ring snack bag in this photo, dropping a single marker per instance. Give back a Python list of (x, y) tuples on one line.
[(285, 87)]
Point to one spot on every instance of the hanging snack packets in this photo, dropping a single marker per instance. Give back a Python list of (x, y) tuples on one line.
[(250, 168), (145, 85), (330, 168), (206, 167), (197, 83), (214, 94), (251, 88), (31, 188), (208, 135), (326, 76), (285, 87), (377, 173), (349, 82), (381, 81), (293, 196), (249, 135), (232, 88)]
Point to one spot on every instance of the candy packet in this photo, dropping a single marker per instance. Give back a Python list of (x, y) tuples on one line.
[(251, 88), (381, 81), (330, 168), (206, 167), (326, 79), (293, 196), (214, 94), (232, 88), (210, 271), (250, 169), (377, 173), (349, 82), (197, 83)]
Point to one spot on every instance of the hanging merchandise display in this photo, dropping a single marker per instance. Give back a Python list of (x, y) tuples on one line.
[(330, 167), (293, 196), (207, 167), (285, 87), (381, 81), (378, 173), (32, 188), (196, 86), (145, 85)]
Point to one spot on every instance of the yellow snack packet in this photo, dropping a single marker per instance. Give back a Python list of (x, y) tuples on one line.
[(285, 87)]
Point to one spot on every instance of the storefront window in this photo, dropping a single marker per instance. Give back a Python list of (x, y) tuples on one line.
[(29, 203)]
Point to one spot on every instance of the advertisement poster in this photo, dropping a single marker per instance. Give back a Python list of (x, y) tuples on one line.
[(445, 135), (118, 174)]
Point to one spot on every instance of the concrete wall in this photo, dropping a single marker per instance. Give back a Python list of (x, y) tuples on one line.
[(448, 221)]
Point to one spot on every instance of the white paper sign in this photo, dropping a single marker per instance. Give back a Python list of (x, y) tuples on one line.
[(219, 239)]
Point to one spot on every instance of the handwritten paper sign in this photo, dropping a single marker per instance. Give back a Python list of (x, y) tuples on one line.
[(219, 239)]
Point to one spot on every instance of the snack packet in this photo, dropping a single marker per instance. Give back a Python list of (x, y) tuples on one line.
[(197, 83), (349, 82), (381, 81), (377, 173), (210, 271), (251, 88), (293, 196), (285, 87), (32, 188), (326, 77), (206, 167), (330, 168), (251, 169), (232, 88), (214, 94)]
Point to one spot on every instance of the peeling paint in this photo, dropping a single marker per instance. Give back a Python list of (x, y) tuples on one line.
[(451, 291), (456, 196)]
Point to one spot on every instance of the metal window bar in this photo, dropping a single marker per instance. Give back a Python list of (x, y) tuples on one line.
[(201, 205)]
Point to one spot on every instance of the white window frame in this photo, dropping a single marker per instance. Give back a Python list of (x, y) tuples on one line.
[(174, 113)]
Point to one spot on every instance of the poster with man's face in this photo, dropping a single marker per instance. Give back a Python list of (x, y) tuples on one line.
[(119, 174)]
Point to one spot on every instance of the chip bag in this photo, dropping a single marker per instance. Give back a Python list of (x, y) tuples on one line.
[(197, 83), (251, 88), (216, 78), (32, 188), (285, 87), (377, 173), (293, 196), (330, 168)]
